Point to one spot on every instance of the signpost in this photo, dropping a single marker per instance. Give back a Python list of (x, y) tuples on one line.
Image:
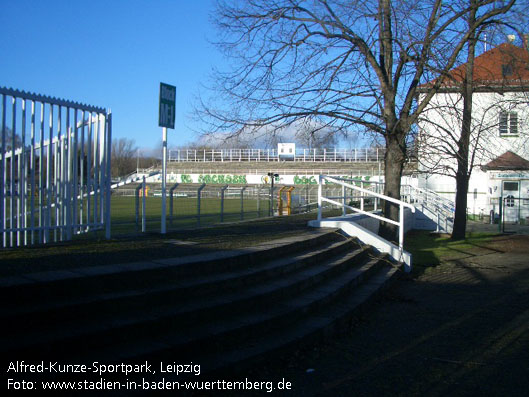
[(166, 120)]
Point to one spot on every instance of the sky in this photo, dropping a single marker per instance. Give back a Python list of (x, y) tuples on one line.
[(112, 54)]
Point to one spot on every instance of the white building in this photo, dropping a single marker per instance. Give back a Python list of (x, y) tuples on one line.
[(499, 144)]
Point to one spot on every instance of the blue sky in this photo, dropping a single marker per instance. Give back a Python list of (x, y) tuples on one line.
[(113, 54)]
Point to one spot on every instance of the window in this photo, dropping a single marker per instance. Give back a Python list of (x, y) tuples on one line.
[(510, 186), (508, 123), (509, 201)]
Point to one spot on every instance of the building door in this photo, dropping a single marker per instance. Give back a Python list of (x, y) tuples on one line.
[(511, 201)]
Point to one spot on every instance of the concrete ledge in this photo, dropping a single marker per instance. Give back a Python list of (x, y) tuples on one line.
[(366, 229)]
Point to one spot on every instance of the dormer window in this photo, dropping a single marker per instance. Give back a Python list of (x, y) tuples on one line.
[(508, 123), (506, 70)]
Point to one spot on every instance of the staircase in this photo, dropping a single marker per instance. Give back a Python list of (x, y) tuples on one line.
[(216, 309), (434, 212)]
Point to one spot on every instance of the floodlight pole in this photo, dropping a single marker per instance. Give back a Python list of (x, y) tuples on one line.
[(164, 177)]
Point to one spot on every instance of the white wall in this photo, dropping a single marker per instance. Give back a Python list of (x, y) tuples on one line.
[(439, 129)]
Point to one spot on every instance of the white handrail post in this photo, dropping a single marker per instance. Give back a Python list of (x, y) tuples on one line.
[(362, 195), (320, 191), (344, 200), (407, 266)]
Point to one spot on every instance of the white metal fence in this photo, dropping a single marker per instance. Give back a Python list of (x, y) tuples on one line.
[(54, 168), (258, 155)]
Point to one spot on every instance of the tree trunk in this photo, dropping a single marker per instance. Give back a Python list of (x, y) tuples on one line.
[(393, 166), (460, 219), (463, 169)]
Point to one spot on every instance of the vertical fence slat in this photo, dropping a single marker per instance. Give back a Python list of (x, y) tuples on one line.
[(12, 173), (41, 179), (48, 176), (89, 171), (108, 148), (32, 168), (3, 174), (22, 180), (81, 174)]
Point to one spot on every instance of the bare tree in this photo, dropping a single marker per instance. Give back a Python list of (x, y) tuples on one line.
[(9, 139), (302, 132), (341, 63), (124, 152)]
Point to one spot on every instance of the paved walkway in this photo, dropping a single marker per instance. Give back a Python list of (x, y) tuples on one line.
[(487, 227), (461, 328)]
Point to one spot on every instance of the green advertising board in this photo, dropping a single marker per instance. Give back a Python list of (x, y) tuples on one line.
[(167, 106)]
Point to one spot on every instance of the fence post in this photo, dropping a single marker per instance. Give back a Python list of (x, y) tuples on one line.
[(320, 191), (137, 203), (242, 202), (171, 190), (222, 190), (258, 201), (376, 198), (199, 192), (164, 180), (143, 220)]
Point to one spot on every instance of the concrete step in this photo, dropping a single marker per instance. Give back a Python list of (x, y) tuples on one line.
[(221, 309), (93, 280), (110, 327), (308, 331), (174, 290)]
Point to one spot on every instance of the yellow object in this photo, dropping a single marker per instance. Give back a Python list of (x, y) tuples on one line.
[(146, 191), (288, 200)]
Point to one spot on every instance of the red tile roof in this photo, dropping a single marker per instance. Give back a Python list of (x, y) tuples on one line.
[(507, 161), (504, 66)]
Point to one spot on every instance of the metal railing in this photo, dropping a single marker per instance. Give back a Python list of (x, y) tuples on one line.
[(439, 209), (54, 178), (345, 183), (266, 155)]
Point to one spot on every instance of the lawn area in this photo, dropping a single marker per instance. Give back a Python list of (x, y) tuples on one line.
[(431, 249)]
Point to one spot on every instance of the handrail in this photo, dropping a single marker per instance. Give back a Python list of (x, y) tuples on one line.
[(340, 181)]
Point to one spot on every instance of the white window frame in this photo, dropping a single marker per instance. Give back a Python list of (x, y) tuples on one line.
[(508, 123)]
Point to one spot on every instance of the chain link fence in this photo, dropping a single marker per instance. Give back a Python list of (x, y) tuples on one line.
[(192, 205)]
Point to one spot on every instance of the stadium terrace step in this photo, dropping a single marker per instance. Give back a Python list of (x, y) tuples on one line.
[(238, 305), (94, 280)]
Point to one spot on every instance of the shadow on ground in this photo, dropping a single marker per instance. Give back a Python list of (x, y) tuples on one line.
[(459, 328)]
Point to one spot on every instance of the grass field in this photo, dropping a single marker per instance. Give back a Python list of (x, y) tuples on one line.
[(185, 212)]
